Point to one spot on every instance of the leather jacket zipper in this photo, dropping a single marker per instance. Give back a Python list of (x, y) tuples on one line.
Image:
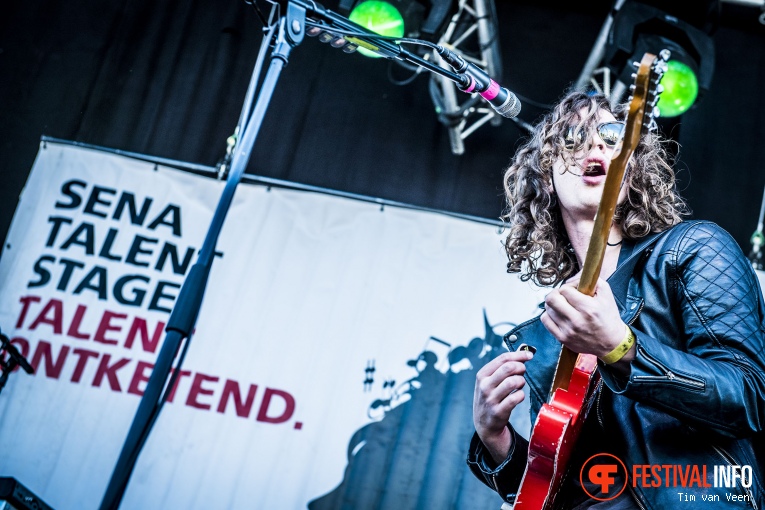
[(635, 497), (599, 389), (668, 376), (598, 412), (636, 314), (496, 485), (729, 459)]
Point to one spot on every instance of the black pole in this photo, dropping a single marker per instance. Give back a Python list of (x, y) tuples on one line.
[(290, 33), (186, 309)]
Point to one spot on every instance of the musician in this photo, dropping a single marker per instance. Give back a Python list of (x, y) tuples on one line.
[(680, 353)]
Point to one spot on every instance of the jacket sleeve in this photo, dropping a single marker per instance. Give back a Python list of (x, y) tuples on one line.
[(713, 373), (506, 477)]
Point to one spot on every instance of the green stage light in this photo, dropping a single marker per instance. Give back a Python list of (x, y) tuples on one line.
[(680, 89), (650, 26), (379, 17)]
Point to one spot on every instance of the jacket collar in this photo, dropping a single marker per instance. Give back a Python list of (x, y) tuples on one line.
[(629, 256)]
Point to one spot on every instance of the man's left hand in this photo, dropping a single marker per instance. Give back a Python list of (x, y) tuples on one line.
[(584, 324)]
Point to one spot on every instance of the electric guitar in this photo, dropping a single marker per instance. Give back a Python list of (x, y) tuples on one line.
[(559, 422)]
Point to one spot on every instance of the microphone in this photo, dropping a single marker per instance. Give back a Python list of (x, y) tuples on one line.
[(475, 79)]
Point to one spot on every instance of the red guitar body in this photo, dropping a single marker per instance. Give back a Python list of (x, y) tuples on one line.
[(554, 435)]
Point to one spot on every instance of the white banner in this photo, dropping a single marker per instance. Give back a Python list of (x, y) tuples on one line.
[(324, 319)]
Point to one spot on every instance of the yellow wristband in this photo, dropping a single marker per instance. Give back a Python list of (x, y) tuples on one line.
[(621, 349)]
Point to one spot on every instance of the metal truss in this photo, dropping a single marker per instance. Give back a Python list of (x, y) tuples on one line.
[(473, 33), (599, 78)]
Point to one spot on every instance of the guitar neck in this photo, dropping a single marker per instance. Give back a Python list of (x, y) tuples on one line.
[(596, 250), (593, 261)]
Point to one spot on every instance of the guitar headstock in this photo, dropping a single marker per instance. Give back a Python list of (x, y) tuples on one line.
[(644, 96), (658, 68), (645, 91)]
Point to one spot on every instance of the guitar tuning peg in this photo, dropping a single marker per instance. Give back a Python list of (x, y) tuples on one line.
[(665, 54), (636, 64), (325, 37), (633, 76), (656, 111), (632, 88), (659, 88)]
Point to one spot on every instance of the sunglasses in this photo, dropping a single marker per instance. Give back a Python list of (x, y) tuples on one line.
[(609, 132)]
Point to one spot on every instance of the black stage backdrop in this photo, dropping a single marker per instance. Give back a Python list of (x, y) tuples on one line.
[(168, 79)]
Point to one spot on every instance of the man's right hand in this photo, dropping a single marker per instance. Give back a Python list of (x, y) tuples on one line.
[(497, 391)]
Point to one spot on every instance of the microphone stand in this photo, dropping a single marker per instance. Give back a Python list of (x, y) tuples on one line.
[(185, 312), (291, 29)]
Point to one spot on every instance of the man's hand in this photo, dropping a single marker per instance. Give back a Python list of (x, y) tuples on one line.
[(584, 324), (497, 391)]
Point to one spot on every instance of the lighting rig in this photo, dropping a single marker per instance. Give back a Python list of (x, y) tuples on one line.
[(468, 28), (635, 27)]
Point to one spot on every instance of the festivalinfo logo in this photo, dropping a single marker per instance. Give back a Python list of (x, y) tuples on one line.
[(604, 477)]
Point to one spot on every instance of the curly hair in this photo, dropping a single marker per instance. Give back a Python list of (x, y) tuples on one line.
[(537, 244)]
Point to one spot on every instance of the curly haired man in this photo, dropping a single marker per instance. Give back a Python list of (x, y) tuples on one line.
[(679, 340)]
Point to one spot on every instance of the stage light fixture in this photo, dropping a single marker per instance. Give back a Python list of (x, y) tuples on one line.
[(380, 17), (681, 87), (468, 28), (418, 19), (639, 28)]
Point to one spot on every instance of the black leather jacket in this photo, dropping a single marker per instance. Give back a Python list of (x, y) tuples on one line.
[(696, 390)]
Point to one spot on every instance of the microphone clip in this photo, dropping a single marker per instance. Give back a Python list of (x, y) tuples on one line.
[(460, 66), (473, 79), (14, 359)]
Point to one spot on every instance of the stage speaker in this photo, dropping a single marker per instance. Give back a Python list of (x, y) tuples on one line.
[(14, 496)]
